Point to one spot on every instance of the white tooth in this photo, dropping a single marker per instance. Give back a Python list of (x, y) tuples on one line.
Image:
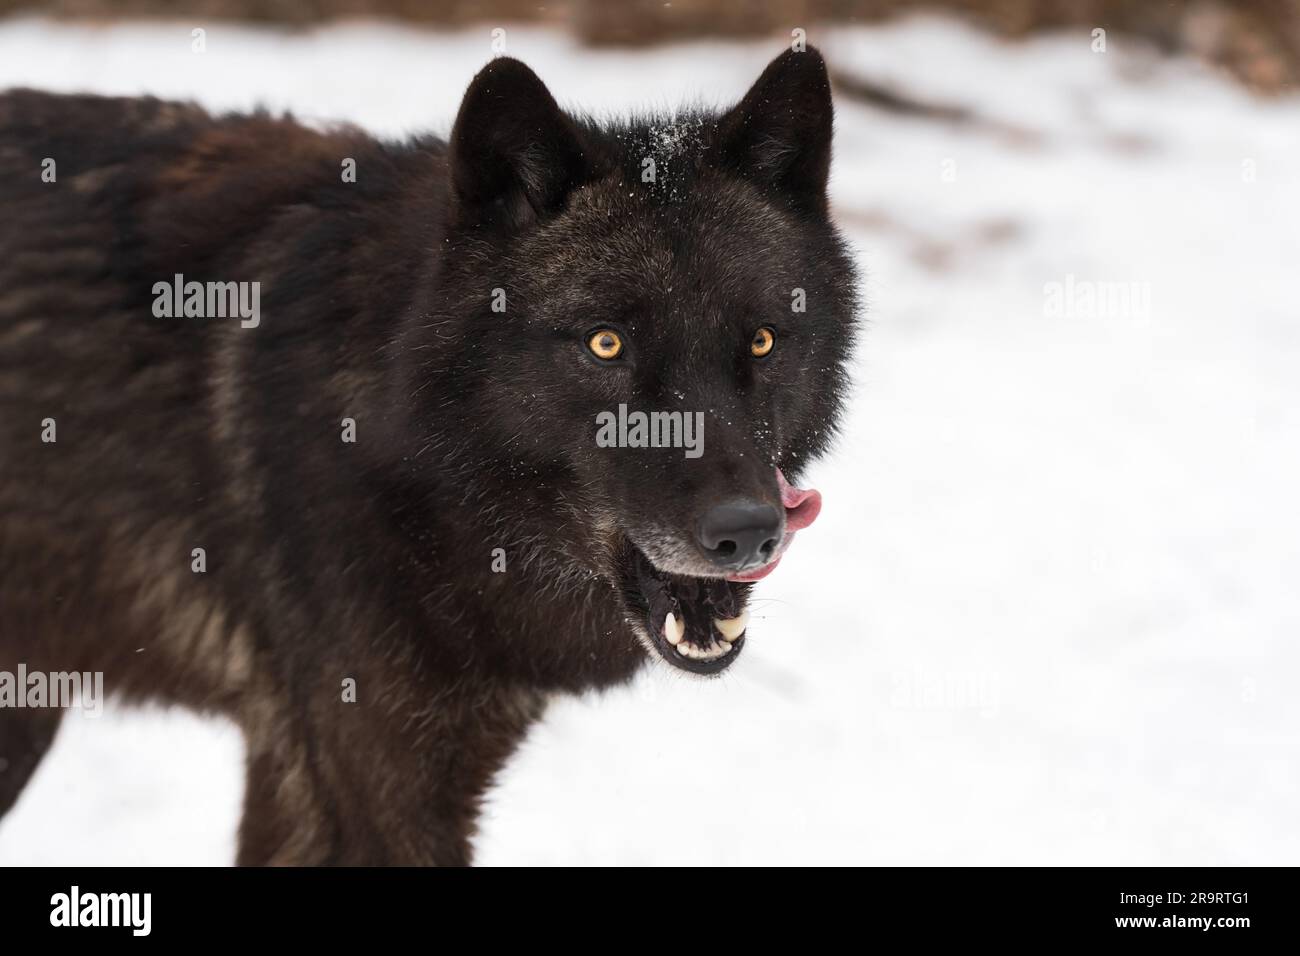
[(726, 647), (674, 630), (732, 628)]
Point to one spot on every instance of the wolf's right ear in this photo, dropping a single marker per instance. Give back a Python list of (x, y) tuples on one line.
[(514, 154)]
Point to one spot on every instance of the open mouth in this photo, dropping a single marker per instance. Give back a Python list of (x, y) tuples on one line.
[(698, 624)]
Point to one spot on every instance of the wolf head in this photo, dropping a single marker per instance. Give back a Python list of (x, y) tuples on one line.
[(653, 321)]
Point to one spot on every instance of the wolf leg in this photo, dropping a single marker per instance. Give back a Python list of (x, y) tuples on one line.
[(372, 785), (25, 736)]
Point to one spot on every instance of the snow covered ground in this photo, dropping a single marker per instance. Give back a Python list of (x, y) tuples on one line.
[(1050, 614)]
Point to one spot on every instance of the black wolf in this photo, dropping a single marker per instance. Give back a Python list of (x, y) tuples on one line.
[(374, 526)]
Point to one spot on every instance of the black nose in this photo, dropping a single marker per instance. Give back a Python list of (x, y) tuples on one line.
[(740, 534)]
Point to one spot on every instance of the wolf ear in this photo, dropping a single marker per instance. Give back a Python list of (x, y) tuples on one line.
[(514, 154), (779, 135)]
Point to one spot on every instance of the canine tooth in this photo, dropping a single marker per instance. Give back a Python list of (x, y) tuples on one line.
[(726, 646), (674, 630), (732, 628)]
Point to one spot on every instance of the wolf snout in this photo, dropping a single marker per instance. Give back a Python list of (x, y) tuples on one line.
[(740, 534)]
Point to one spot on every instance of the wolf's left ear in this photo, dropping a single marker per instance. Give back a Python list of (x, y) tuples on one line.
[(779, 135), (514, 154)]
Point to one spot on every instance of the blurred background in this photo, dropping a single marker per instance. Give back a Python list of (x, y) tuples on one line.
[(1050, 614)]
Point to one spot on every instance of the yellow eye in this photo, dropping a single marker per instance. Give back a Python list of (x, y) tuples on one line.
[(605, 344), (763, 342)]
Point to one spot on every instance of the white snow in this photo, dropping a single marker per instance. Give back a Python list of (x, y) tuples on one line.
[(1050, 612)]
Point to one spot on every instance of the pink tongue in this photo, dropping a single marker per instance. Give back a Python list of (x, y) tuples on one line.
[(802, 505)]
